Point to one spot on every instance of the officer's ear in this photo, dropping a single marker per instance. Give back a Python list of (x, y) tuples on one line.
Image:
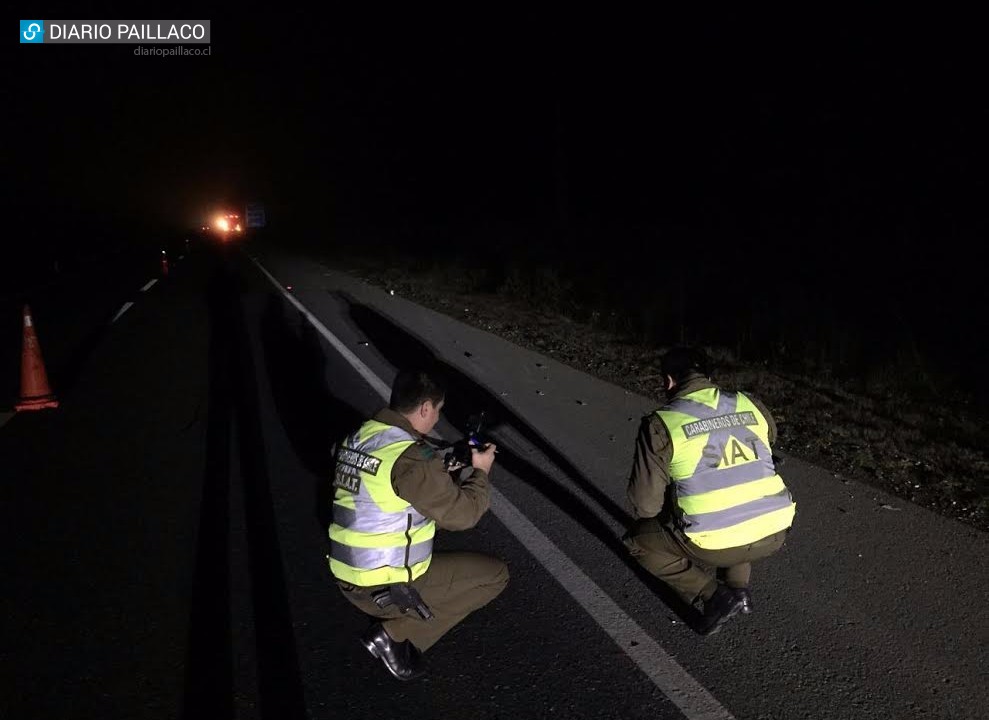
[(427, 408), (669, 383)]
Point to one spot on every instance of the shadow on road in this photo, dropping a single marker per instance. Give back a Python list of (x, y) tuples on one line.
[(209, 664), (466, 397), (235, 425), (312, 417)]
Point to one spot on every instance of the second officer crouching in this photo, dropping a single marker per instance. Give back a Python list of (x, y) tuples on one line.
[(392, 491), (705, 490)]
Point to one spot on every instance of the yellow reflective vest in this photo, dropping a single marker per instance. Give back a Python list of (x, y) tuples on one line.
[(727, 490), (376, 537)]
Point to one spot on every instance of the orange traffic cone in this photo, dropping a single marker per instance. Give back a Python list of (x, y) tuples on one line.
[(164, 263), (35, 393)]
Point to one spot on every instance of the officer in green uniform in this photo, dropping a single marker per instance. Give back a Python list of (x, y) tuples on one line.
[(392, 491), (704, 490)]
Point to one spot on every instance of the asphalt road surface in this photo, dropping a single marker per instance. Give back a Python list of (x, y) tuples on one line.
[(164, 544)]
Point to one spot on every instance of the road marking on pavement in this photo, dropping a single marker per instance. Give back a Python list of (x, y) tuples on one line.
[(365, 372), (149, 285), (694, 701), (4, 417), (127, 306)]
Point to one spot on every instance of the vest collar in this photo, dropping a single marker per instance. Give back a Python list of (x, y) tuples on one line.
[(396, 419), (692, 383)]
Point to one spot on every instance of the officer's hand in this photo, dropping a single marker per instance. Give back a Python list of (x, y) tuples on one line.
[(483, 459)]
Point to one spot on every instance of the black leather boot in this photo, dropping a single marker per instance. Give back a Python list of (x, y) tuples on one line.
[(721, 607), (402, 659)]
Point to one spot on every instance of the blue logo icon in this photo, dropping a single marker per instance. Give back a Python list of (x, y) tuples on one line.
[(32, 31)]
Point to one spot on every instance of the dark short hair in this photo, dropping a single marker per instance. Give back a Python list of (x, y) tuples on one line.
[(679, 362), (413, 387)]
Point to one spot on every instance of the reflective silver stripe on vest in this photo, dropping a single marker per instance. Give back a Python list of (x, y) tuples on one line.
[(708, 479), (383, 439), (374, 558), (351, 520), (727, 402), (721, 519), (344, 516)]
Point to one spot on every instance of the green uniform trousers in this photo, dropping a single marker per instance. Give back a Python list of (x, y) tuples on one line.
[(455, 585), (668, 555)]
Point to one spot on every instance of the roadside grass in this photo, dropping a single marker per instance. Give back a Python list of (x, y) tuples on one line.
[(888, 419)]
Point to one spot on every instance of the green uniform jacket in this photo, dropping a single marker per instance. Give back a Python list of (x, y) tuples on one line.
[(650, 475), (419, 478)]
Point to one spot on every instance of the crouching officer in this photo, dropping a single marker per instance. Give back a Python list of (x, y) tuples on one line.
[(704, 460), (392, 491)]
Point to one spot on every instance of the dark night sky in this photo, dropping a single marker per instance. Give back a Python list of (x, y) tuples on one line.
[(844, 145), (729, 121)]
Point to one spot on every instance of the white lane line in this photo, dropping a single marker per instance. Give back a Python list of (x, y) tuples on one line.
[(373, 380), (4, 417), (694, 701), (149, 285), (127, 306)]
